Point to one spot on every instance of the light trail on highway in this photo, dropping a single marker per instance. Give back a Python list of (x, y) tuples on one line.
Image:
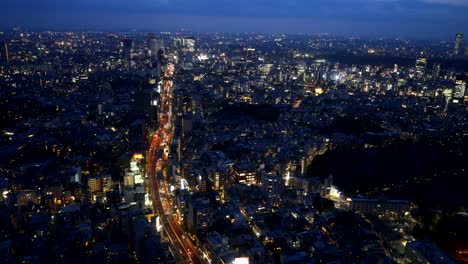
[(185, 251)]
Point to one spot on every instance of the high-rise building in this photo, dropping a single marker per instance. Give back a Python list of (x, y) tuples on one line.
[(7, 55), (379, 206), (203, 183), (106, 181), (245, 175), (421, 65), (127, 47), (272, 188), (458, 44), (435, 70), (200, 215), (187, 44), (155, 46), (459, 91), (95, 184)]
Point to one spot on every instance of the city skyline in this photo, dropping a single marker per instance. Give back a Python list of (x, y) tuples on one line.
[(391, 18), (177, 131)]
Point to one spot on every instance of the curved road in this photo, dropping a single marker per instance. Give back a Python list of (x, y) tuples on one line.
[(185, 251)]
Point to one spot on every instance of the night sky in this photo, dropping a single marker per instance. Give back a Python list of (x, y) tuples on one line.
[(407, 18)]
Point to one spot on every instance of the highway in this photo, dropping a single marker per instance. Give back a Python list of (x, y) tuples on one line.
[(183, 247)]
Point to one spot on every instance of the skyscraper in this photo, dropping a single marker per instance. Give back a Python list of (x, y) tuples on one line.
[(200, 215), (435, 70), (155, 45), (272, 188), (127, 47), (459, 91), (458, 44), (151, 42), (421, 64), (7, 55)]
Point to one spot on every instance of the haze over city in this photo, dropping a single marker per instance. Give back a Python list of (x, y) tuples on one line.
[(426, 19)]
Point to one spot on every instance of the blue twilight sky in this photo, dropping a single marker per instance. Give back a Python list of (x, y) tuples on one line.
[(408, 18)]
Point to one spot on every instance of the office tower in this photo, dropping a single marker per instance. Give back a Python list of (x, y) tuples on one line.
[(159, 44), (203, 183), (458, 44), (200, 215), (435, 70), (186, 44), (272, 188), (127, 47), (7, 55), (152, 44), (155, 46), (189, 44), (395, 68), (460, 88), (112, 42), (421, 64), (178, 43), (106, 181), (95, 184)]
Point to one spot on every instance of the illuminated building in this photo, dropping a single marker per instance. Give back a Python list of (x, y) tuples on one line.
[(459, 91), (25, 196), (187, 44), (219, 179), (202, 183), (95, 184), (129, 179), (458, 44), (55, 191), (106, 183), (200, 215), (421, 64), (152, 45), (378, 206), (178, 42), (245, 176), (99, 185), (272, 188), (155, 45)]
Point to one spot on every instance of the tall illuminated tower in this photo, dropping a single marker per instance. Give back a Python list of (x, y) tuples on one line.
[(155, 46), (421, 64), (458, 44)]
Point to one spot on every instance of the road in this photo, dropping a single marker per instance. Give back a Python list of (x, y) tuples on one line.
[(184, 249)]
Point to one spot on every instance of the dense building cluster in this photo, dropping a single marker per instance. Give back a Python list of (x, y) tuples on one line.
[(250, 115)]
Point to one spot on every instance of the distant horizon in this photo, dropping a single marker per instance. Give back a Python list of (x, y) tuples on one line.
[(413, 19), (188, 31)]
